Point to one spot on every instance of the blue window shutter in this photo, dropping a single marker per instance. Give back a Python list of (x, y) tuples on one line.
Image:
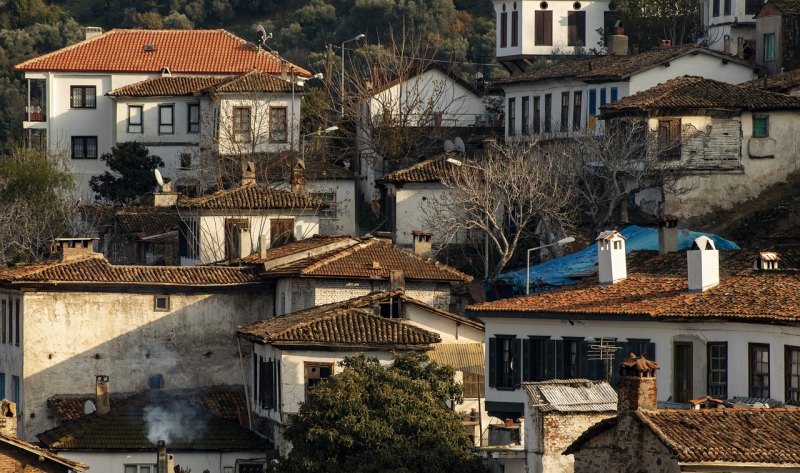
[(613, 94), (592, 102)]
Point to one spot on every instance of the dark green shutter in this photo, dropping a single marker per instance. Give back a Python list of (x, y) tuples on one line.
[(651, 351), (516, 351), (559, 355), (526, 360), (492, 362), (549, 371)]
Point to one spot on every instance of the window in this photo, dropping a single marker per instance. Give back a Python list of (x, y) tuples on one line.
[(573, 357), (512, 117), (614, 94), (565, 111), (249, 467), (278, 125), (669, 138), (328, 209), (759, 370), (140, 468), (135, 119), (281, 231), (751, 7), (503, 28), (543, 28), (537, 120), (241, 125), (189, 239), (718, 369), (161, 303), (568, 358), (727, 7), (602, 97), (166, 119), (577, 109), (576, 28), (769, 47), (269, 381), (538, 362), (514, 28), (233, 236), (792, 375), (526, 115), (317, 373), (16, 324), (548, 113), (390, 309), (504, 361), (592, 102), (760, 126), (84, 147), (83, 96), (473, 385), (715, 8), (683, 371), (186, 160), (193, 117)]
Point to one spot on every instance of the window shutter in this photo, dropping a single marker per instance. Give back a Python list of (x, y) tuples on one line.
[(572, 28), (559, 356), (548, 28), (183, 240), (538, 28), (492, 362), (255, 377), (516, 349), (549, 360), (651, 351), (277, 385), (580, 19), (583, 362), (526, 360)]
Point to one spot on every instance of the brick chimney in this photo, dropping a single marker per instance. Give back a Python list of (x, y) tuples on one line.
[(665, 43), (73, 248), (637, 384), (8, 418), (702, 262), (422, 242), (103, 401), (248, 173), (611, 257), (618, 42), (165, 462), (667, 234), (299, 177)]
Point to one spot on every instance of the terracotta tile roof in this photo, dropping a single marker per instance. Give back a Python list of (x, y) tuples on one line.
[(372, 258), (182, 51), (728, 435), (301, 249), (571, 395), (753, 296), (349, 323), (125, 427), (166, 86), (95, 269), (131, 220), (782, 83), (430, 170), (278, 167), (251, 197), (787, 7), (254, 82), (71, 465), (611, 67), (690, 92)]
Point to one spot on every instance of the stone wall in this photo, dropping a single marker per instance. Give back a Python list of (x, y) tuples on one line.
[(560, 430), (17, 460), (327, 291)]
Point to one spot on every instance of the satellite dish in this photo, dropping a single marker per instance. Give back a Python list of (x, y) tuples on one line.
[(262, 34), (159, 179), (449, 145), (89, 407), (459, 143)]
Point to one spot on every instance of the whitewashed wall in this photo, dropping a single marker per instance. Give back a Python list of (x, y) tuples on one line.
[(736, 25), (114, 462), (260, 122), (345, 190)]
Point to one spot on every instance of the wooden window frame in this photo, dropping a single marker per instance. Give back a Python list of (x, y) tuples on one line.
[(242, 129), (718, 389), (754, 389), (164, 297), (506, 373), (83, 99), (272, 130), (669, 138), (132, 125), (758, 130), (792, 393), (312, 365), (576, 28)]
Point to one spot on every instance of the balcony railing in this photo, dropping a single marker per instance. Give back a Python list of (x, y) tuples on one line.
[(37, 113)]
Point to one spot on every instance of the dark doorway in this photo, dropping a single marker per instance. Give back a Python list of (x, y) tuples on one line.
[(683, 372)]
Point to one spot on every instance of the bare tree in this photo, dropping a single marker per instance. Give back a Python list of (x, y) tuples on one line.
[(501, 197)]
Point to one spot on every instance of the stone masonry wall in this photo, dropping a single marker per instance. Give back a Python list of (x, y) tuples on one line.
[(335, 290), (560, 430), (20, 461)]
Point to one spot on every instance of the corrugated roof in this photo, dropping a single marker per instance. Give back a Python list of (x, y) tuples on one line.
[(465, 357), (571, 395)]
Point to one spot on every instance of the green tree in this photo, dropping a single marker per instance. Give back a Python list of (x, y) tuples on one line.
[(372, 418), (133, 167), (649, 21)]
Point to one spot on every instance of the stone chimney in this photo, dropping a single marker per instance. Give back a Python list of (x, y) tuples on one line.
[(637, 384), (165, 462), (422, 242), (611, 257), (103, 401), (667, 234), (92, 31), (8, 418), (618, 42), (397, 280), (74, 248), (767, 261), (248, 173), (299, 177), (702, 261)]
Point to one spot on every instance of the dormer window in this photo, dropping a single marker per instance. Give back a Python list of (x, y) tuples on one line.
[(390, 309)]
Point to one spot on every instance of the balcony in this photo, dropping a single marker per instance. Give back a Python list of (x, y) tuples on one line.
[(36, 109)]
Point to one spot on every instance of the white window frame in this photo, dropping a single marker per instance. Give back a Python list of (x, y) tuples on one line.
[(135, 127), (166, 127)]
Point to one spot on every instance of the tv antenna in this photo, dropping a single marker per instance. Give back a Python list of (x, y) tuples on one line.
[(262, 34), (603, 349)]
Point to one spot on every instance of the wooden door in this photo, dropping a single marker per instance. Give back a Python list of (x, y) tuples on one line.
[(682, 391)]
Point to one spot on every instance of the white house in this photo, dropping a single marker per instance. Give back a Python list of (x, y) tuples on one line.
[(529, 28), (730, 26), (733, 141), (432, 98), (295, 351), (711, 334), (65, 321), (203, 430), (69, 107), (568, 94)]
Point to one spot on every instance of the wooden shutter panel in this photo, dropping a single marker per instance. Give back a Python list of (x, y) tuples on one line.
[(580, 19), (492, 362), (548, 28), (538, 28), (559, 356), (516, 353), (583, 360), (526, 360), (549, 371), (572, 28), (277, 385)]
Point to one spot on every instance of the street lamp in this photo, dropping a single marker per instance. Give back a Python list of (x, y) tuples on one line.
[(330, 129), (458, 162), (561, 242), (341, 96)]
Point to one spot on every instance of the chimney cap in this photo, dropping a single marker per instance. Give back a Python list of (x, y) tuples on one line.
[(610, 235), (639, 367), (703, 243), (668, 221)]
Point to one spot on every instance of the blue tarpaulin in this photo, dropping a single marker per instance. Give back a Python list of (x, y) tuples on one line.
[(567, 270)]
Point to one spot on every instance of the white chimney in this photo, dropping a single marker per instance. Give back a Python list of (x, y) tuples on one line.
[(767, 261), (611, 257), (92, 31), (703, 264)]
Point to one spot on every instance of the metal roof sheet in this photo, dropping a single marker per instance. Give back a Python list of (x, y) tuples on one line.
[(571, 395), (464, 357)]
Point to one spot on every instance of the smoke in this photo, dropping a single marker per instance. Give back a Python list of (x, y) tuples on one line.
[(175, 422)]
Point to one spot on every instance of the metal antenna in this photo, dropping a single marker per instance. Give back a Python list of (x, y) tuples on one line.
[(604, 349)]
